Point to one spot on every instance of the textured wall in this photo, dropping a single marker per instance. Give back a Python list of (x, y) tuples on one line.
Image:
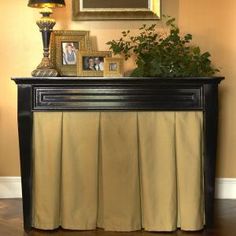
[(210, 21)]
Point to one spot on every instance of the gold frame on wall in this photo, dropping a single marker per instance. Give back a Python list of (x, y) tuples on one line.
[(118, 71), (151, 13), (80, 65), (67, 36)]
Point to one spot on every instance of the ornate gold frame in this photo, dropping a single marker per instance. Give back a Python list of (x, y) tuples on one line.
[(60, 36), (119, 72), (152, 13), (81, 54)]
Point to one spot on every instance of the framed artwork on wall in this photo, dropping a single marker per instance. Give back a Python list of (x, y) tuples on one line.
[(91, 63), (116, 9), (65, 45)]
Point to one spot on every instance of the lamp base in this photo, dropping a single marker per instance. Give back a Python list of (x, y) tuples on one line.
[(45, 69), (45, 24), (44, 73)]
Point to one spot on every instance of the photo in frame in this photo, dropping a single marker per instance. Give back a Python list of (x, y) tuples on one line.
[(113, 67), (64, 47), (116, 10), (91, 63)]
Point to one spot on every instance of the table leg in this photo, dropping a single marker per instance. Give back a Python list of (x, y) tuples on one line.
[(25, 124), (210, 146)]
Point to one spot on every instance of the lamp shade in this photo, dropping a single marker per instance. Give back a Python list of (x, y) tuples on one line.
[(46, 3)]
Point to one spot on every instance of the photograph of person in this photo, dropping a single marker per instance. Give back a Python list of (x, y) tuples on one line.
[(93, 63), (88, 63), (99, 63), (69, 50)]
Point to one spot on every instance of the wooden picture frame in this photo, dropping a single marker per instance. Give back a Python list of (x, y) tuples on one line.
[(113, 67), (64, 48), (91, 63), (121, 10)]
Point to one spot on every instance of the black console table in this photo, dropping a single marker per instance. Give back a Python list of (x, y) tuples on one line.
[(124, 94)]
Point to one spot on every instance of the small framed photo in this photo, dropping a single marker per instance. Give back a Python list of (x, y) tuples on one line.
[(91, 63), (113, 67), (64, 47)]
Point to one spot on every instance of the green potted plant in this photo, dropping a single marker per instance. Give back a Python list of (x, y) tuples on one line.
[(161, 54)]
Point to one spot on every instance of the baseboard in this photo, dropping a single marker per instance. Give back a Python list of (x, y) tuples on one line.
[(10, 187), (225, 188)]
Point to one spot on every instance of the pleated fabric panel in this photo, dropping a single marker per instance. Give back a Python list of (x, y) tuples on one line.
[(189, 153), (121, 171), (79, 170), (47, 152), (158, 170), (119, 192), (171, 170)]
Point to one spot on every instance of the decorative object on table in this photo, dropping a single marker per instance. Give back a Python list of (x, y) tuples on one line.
[(46, 24), (116, 10), (64, 46), (113, 67), (163, 54), (91, 63)]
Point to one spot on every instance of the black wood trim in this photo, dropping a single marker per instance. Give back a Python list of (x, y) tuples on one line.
[(25, 121), (114, 81), (210, 149), (173, 97)]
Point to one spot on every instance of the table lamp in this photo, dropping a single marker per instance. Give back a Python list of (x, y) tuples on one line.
[(46, 24)]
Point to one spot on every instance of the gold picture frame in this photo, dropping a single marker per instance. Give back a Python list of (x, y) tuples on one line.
[(113, 67), (91, 63), (121, 10), (64, 48)]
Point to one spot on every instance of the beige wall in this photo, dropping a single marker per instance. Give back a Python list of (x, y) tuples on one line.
[(210, 21)]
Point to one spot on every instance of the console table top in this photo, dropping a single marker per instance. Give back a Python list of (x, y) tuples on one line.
[(52, 80)]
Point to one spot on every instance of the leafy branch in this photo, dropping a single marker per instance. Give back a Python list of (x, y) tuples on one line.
[(163, 54)]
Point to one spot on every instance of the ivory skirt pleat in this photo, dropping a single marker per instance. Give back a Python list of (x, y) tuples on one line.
[(79, 182), (158, 170), (47, 151), (189, 169), (121, 171)]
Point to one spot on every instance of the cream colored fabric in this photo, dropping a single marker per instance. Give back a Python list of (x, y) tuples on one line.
[(79, 177), (189, 170), (120, 171), (47, 150), (158, 170)]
